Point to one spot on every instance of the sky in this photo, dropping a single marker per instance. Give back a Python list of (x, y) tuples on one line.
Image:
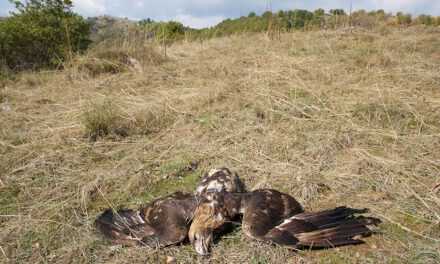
[(203, 13)]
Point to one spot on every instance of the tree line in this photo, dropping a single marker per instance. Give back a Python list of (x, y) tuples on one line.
[(45, 33)]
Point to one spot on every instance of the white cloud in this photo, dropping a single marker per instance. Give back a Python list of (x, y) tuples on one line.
[(396, 3), (90, 7), (198, 22), (208, 12), (410, 6)]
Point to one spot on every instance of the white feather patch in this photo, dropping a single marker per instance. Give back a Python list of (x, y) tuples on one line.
[(215, 186), (213, 171)]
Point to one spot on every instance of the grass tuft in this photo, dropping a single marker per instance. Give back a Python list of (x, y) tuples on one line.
[(102, 119)]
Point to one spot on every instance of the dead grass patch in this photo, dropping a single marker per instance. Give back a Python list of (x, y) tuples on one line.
[(385, 116), (103, 60)]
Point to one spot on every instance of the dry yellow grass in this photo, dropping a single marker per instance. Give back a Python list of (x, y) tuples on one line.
[(333, 118)]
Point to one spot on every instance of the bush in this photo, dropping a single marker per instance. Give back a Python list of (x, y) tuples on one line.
[(166, 32), (106, 119), (41, 33), (425, 20), (403, 19)]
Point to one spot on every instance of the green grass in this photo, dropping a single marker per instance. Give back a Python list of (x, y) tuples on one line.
[(177, 180), (9, 200)]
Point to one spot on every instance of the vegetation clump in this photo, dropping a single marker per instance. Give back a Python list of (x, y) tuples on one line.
[(109, 61), (102, 119), (41, 33)]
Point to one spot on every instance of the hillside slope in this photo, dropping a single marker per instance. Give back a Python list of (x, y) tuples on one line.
[(333, 118)]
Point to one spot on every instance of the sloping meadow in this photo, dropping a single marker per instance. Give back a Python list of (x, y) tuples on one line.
[(331, 117)]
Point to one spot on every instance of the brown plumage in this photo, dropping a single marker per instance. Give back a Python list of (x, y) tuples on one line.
[(165, 221), (275, 217), (219, 180), (215, 182)]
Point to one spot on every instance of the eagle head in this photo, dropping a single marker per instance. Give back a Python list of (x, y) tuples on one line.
[(208, 217)]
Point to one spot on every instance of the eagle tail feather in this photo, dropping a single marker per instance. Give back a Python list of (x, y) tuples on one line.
[(335, 217), (329, 228), (349, 233)]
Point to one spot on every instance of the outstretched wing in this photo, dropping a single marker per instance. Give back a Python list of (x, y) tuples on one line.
[(324, 229), (163, 222)]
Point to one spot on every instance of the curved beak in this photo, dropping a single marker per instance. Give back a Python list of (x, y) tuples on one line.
[(202, 242)]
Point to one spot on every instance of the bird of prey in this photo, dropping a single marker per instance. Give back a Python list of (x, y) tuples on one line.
[(275, 217), (165, 221)]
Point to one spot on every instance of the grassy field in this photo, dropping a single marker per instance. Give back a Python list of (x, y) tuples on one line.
[(333, 118)]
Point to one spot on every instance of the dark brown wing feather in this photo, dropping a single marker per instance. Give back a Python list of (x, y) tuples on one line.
[(162, 222), (278, 218), (329, 228), (265, 209), (124, 226), (329, 218), (344, 234)]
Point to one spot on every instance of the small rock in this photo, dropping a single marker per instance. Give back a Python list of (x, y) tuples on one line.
[(171, 260), (5, 107), (135, 65)]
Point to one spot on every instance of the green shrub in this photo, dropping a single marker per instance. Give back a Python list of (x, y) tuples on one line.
[(403, 19), (425, 20), (41, 33), (166, 32)]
